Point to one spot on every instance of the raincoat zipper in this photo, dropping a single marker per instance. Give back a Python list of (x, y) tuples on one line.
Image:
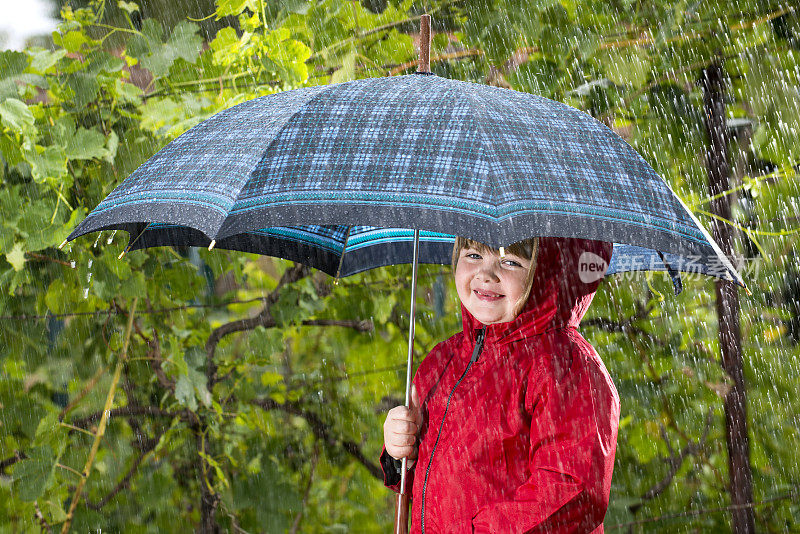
[(475, 353)]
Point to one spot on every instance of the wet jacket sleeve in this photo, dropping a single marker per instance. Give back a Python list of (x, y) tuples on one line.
[(574, 420), (391, 472)]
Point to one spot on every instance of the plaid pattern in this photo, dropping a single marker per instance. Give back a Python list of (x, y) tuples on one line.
[(209, 164), (405, 152), (339, 238), (457, 145)]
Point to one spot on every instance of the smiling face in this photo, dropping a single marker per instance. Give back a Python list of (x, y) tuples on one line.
[(490, 287)]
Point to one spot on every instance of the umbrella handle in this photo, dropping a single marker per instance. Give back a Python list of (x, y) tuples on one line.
[(401, 514)]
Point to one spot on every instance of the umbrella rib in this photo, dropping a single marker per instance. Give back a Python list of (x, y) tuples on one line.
[(341, 258), (673, 273), (732, 272), (133, 242)]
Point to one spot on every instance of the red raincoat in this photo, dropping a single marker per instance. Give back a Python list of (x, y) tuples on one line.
[(523, 439)]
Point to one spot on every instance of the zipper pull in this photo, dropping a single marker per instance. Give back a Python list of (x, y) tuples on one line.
[(478, 345)]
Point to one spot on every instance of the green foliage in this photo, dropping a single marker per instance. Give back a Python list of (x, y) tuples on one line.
[(34, 474), (77, 118), (157, 56)]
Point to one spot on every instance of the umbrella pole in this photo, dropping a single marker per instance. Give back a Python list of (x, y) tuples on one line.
[(401, 516)]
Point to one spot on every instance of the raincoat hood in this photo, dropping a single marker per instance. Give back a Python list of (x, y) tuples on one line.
[(568, 272)]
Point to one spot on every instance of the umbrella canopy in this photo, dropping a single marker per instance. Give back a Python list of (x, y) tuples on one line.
[(335, 175)]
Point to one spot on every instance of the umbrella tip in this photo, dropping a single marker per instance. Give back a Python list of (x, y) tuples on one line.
[(213, 243), (747, 290), (63, 244), (424, 64), (502, 252), (121, 254)]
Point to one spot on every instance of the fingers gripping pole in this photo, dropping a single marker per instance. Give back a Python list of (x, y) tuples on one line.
[(401, 521)]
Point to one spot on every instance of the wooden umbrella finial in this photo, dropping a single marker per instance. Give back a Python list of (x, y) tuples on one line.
[(424, 44)]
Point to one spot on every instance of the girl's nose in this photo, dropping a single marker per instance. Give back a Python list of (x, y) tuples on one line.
[(487, 272)]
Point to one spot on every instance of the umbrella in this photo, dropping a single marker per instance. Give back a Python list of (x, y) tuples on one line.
[(360, 174), (414, 151)]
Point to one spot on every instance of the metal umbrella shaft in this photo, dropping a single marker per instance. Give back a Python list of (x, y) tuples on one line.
[(401, 517)]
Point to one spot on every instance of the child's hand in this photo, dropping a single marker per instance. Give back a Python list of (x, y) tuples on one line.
[(401, 430)]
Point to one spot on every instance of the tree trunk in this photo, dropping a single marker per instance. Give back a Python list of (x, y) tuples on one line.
[(736, 436)]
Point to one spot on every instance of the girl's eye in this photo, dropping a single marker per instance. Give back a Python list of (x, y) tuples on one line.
[(512, 263), (473, 255)]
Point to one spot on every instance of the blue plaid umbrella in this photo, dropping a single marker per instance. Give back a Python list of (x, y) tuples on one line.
[(335, 177)]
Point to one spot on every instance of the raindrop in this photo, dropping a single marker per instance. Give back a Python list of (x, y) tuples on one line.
[(72, 264), (111, 237), (88, 278)]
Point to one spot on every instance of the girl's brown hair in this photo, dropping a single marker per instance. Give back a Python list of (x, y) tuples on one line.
[(527, 248)]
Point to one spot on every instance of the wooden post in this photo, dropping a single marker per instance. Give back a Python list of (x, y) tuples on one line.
[(736, 436)]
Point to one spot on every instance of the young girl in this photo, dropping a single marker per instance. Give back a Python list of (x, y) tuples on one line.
[(513, 421)]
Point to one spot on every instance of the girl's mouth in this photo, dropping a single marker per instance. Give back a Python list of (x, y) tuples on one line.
[(489, 296)]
